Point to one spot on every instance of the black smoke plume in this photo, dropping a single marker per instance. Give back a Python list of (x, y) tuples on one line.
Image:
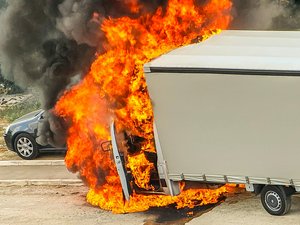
[(50, 44)]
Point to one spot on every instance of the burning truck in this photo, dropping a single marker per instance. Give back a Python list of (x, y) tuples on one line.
[(87, 58), (225, 111), (147, 122), (115, 90)]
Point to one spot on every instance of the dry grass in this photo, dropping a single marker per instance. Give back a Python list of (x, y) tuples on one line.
[(5, 154), (11, 113)]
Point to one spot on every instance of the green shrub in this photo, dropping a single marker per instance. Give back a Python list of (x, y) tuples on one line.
[(13, 112), (9, 87)]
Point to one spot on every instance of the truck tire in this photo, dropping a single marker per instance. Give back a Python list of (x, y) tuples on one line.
[(275, 200)]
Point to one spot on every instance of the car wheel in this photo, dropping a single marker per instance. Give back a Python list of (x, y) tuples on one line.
[(275, 200), (26, 147)]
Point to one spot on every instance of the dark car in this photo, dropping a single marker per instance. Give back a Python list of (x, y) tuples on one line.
[(20, 136)]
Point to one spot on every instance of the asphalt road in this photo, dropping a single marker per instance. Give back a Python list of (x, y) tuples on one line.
[(35, 172), (66, 205)]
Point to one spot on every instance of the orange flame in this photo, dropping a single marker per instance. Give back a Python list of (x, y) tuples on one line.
[(115, 88), (108, 200)]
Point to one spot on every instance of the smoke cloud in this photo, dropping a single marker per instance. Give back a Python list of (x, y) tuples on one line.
[(50, 44), (266, 14)]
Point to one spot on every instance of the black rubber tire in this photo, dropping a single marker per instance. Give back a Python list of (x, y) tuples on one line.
[(275, 200), (32, 146)]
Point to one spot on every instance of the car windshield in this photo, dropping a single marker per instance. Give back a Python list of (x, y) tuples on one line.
[(29, 115)]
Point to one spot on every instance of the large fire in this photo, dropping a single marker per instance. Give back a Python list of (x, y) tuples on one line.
[(115, 89)]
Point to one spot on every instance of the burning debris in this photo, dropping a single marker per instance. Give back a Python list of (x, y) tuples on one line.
[(88, 55)]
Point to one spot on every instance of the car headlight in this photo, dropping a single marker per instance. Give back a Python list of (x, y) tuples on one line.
[(7, 129)]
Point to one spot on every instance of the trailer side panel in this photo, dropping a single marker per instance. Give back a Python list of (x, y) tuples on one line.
[(233, 125)]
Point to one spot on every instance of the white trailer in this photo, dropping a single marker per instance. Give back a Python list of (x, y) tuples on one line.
[(227, 110)]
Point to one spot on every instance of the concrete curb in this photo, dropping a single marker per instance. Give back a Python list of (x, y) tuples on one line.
[(33, 163), (42, 182)]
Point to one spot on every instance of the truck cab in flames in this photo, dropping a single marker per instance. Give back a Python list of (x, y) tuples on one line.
[(227, 110)]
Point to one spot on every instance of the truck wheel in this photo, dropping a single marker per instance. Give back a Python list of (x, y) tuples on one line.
[(275, 200)]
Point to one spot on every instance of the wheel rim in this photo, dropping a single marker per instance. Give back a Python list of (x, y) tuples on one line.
[(273, 201), (25, 147)]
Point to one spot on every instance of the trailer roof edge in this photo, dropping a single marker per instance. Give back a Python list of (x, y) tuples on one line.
[(223, 71)]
